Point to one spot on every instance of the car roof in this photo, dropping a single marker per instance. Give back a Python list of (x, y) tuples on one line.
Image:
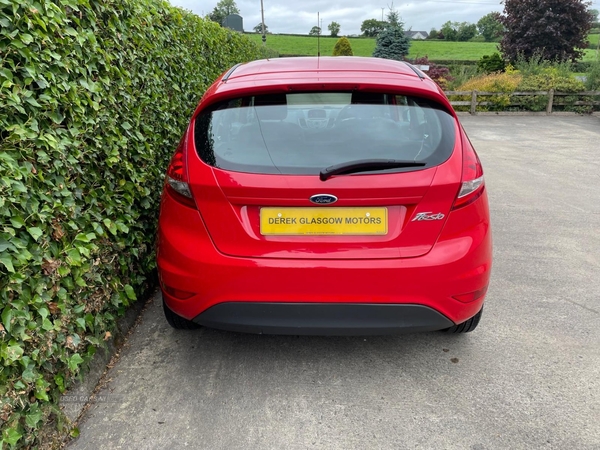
[(318, 65), (306, 73)]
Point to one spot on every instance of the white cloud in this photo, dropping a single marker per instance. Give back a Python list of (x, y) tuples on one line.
[(300, 17)]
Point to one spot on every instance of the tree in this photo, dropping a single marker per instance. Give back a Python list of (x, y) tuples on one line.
[(258, 28), (449, 31), (342, 47), (458, 31), (433, 34), (228, 7), (466, 31), (372, 27), (595, 18), (393, 18), (334, 28), (216, 16), (490, 27), (222, 10), (555, 29), (314, 31), (392, 43)]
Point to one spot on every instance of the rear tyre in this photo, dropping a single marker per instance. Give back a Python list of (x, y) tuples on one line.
[(467, 326), (178, 322)]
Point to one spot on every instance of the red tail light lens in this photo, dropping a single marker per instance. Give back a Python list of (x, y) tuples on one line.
[(178, 293), (472, 182), (471, 296), (177, 180)]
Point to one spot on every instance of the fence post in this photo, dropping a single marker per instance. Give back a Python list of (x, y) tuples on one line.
[(550, 101), (474, 102)]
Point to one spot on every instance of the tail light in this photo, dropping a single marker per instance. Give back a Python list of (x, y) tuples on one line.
[(177, 293), (471, 296), (176, 180), (472, 183)]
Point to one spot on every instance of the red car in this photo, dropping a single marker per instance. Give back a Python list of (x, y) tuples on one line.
[(327, 196)]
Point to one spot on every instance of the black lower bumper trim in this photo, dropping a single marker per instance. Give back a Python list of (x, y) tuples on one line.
[(324, 319)]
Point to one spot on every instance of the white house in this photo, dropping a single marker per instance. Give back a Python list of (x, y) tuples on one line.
[(417, 34)]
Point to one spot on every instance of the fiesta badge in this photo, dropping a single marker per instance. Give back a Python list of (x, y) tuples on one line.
[(323, 199)]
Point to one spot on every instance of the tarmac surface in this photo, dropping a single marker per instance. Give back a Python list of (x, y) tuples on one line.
[(528, 377)]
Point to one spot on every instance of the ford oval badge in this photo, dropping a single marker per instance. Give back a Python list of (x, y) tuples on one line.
[(323, 199)]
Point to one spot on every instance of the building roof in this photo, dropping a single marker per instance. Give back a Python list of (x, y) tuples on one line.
[(412, 33)]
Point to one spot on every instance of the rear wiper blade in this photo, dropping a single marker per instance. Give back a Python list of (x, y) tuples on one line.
[(366, 165)]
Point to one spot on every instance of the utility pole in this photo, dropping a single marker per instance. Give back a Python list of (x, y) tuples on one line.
[(319, 34), (382, 14), (262, 13)]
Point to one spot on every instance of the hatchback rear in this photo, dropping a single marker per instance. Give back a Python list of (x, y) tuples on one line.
[(324, 196)]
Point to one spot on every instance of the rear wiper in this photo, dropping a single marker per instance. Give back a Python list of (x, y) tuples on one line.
[(366, 165)]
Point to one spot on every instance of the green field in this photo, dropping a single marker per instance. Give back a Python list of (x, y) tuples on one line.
[(590, 55), (307, 45), (435, 50)]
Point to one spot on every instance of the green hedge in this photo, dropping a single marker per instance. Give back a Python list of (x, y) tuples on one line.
[(95, 95)]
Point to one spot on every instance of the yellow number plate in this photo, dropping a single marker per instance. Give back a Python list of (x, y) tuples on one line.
[(323, 221)]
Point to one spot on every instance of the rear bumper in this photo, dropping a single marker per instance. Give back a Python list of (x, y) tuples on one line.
[(457, 265), (333, 319)]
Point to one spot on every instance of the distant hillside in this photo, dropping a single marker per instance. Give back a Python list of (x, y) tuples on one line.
[(435, 50), (307, 45)]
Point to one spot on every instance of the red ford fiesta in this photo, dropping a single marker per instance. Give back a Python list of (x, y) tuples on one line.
[(325, 196)]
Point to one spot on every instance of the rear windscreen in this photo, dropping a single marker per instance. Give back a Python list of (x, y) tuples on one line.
[(303, 133)]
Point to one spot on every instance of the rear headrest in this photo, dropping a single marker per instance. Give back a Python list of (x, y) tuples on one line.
[(271, 112), (270, 99), (271, 106), (368, 98)]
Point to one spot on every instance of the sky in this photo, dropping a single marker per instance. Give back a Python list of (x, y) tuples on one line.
[(300, 16), (282, 17)]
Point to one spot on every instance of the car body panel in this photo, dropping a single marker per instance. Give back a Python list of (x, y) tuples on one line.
[(235, 199), (460, 262), (215, 253), (306, 74)]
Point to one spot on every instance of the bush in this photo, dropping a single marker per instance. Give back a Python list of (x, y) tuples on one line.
[(94, 97), (491, 63), (268, 53), (342, 47), (533, 75), (582, 66), (592, 82), (477, 38), (506, 82), (461, 73), (439, 74), (550, 78), (551, 70), (534, 65)]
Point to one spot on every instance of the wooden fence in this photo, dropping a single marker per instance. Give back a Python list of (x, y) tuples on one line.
[(554, 99)]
